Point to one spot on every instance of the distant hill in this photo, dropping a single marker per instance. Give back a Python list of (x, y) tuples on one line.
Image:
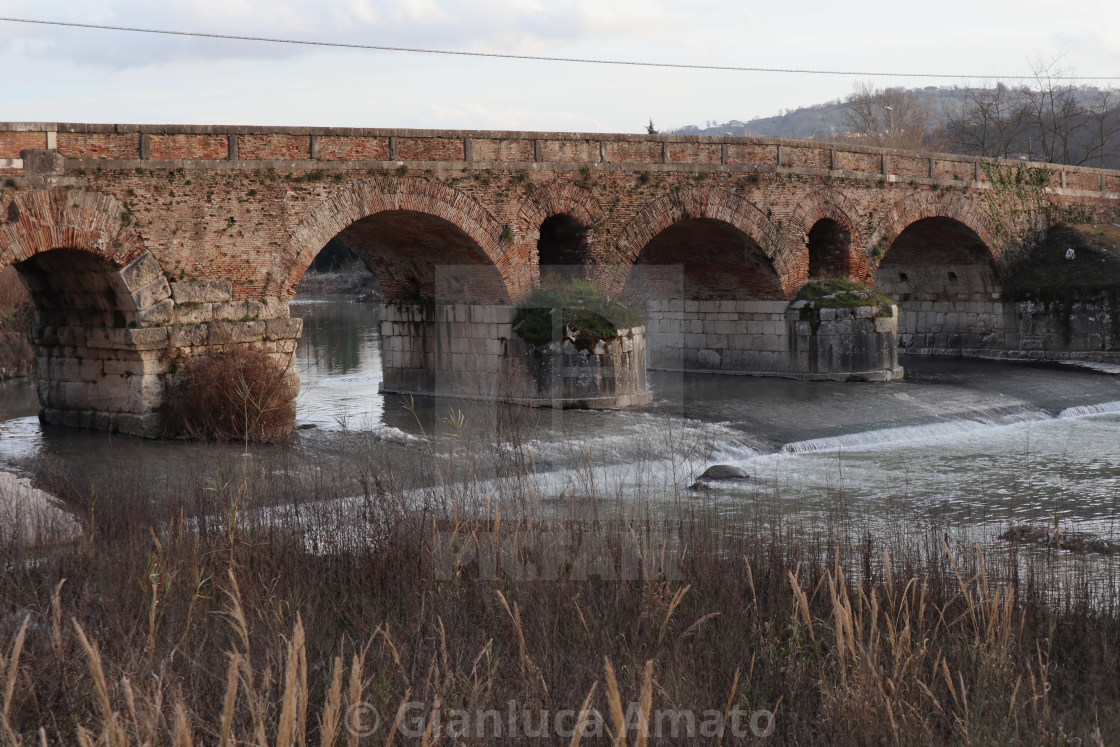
[(817, 122), (1061, 124)]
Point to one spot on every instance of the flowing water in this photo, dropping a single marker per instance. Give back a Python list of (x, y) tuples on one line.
[(961, 444)]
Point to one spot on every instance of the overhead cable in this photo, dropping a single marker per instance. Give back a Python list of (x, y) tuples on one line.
[(546, 58)]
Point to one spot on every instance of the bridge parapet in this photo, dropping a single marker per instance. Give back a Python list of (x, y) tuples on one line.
[(334, 147)]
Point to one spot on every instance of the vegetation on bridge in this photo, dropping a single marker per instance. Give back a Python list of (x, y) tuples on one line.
[(1068, 262), (840, 293), (587, 313)]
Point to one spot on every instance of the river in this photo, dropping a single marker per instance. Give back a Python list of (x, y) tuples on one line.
[(974, 445)]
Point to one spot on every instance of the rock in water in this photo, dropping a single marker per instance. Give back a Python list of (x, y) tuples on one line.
[(724, 472)]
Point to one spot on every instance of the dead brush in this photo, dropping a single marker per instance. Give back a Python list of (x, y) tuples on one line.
[(905, 669), (239, 394)]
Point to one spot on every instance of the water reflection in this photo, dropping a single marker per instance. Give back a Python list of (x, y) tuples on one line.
[(339, 362), (338, 337)]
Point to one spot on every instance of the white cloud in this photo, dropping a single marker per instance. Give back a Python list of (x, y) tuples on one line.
[(419, 11), (364, 11)]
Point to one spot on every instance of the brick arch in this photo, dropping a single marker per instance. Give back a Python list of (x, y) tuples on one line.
[(559, 198), (359, 200), (42, 220), (826, 203), (954, 206), (829, 204), (716, 205)]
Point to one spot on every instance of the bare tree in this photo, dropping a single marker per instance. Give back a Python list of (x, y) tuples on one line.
[(1103, 110), (1048, 120), (987, 121), (889, 117), (1054, 112)]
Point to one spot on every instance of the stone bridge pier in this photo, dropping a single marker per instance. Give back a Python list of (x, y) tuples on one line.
[(447, 349), (110, 341)]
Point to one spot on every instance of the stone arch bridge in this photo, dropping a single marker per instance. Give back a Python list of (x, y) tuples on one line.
[(145, 246)]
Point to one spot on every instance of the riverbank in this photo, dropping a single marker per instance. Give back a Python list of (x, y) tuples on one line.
[(251, 603), (31, 518), (355, 283)]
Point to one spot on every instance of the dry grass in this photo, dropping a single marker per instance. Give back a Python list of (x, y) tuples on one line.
[(238, 394), (225, 617)]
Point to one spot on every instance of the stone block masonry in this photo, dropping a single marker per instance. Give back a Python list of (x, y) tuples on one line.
[(844, 344), (447, 350), (718, 336), (470, 351), (609, 376), (1086, 327), (94, 374), (773, 338)]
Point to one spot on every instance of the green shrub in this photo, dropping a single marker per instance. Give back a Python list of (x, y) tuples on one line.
[(584, 308), (840, 293)]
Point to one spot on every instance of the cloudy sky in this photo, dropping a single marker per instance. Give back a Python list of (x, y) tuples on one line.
[(83, 75)]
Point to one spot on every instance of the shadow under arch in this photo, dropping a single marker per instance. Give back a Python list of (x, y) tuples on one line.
[(563, 249), (717, 261), (714, 207), (404, 229), (829, 244), (943, 276), (955, 207)]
